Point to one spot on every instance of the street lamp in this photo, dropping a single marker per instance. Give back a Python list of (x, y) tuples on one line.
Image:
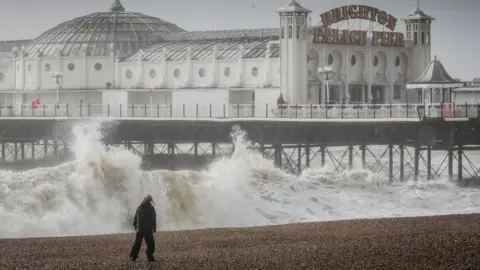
[(327, 71), (57, 76)]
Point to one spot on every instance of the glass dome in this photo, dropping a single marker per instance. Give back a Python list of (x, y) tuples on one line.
[(99, 33)]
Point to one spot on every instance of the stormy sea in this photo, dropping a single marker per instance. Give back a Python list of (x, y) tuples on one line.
[(98, 192)]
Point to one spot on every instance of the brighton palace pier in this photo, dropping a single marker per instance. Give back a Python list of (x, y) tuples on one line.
[(356, 54)]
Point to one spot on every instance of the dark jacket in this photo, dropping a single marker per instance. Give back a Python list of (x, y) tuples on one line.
[(281, 101), (145, 218)]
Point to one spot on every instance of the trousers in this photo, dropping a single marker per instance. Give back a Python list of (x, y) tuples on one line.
[(149, 241)]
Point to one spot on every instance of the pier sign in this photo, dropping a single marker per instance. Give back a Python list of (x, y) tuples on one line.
[(326, 34)]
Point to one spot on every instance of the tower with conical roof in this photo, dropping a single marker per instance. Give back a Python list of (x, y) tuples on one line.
[(293, 52), (418, 32)]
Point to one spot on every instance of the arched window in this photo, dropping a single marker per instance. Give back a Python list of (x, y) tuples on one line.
[(298, 31), (290, 31)]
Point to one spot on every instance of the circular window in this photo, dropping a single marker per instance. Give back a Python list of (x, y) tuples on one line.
[(353, 60), (176, 73), (129, 74), (2, 76), (330, 59), (71, 66), (152, 73), (254, 72), (375, 61), (29, 67), (227, 72), (98, 66), (201, 72), (47, 67), (397, 61)]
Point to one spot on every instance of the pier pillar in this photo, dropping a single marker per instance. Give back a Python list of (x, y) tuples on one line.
[(22, 148), (307, 155), (429, 162), (417, 161), (45, 148), (299, 159), (33, 150), (450, 151), (363, 151), (390, 162), (15, 147), (214, 149), (3, 152), (55, 148), (460, 162), (195, 149), (171, 153), (278, 155), (350, 157), (402, 163), (322, 155)]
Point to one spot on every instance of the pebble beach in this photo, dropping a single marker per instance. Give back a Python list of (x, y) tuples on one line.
[(440, 242)]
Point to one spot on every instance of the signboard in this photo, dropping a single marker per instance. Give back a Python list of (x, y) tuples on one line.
[(326, 34)]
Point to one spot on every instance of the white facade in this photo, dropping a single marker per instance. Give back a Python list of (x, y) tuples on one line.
[(287, 62)]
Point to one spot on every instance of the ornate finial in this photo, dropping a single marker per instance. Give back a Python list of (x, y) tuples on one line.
[(117, 7)]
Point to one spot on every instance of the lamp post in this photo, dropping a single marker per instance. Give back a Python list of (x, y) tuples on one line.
[(57, 76), (327, 71)]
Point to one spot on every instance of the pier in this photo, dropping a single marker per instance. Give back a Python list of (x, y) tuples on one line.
[(294, 137)]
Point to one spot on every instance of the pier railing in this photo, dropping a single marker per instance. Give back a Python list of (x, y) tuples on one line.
[(312, 111)]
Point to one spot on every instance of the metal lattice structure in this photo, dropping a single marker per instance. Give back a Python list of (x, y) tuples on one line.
[(101, 33)]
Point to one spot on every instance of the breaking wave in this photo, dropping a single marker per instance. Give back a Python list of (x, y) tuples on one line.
[(99, 191)]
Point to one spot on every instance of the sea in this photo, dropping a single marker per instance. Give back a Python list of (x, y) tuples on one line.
[(98, 192)]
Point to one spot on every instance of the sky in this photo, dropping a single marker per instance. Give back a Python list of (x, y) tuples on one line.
[(455, 32)]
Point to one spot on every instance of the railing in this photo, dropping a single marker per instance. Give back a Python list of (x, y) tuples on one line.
[(312, 111)]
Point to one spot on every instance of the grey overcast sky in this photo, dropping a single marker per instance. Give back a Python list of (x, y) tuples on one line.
[(455, 34)]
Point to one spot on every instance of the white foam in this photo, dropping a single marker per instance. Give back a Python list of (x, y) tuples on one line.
[(99, 191)]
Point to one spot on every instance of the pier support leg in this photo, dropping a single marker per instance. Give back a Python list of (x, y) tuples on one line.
[(299, 159), (195, 149), (350, 157), (390, 162), (33, 150), (402, 163), (363, 149), (22, 148), (45, 148), (3, 152), (278, 155), (417, 161), (429, 162), (460, 162), (214, 149), (322, 155), (451, 144), (55, 149), (171, 153), (450, 164), (307, 155), (16, 151)]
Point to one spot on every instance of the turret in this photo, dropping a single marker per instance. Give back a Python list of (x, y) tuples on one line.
[(293, 52), (418, 31)]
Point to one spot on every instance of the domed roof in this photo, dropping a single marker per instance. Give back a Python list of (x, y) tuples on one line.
[(99, 33)]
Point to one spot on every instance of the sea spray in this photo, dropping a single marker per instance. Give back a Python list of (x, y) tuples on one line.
[(98, 192)]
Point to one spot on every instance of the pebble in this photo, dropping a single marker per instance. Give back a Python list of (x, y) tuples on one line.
[(440, 242)]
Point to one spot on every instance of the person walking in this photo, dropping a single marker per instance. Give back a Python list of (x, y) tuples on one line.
[(145, 224)]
